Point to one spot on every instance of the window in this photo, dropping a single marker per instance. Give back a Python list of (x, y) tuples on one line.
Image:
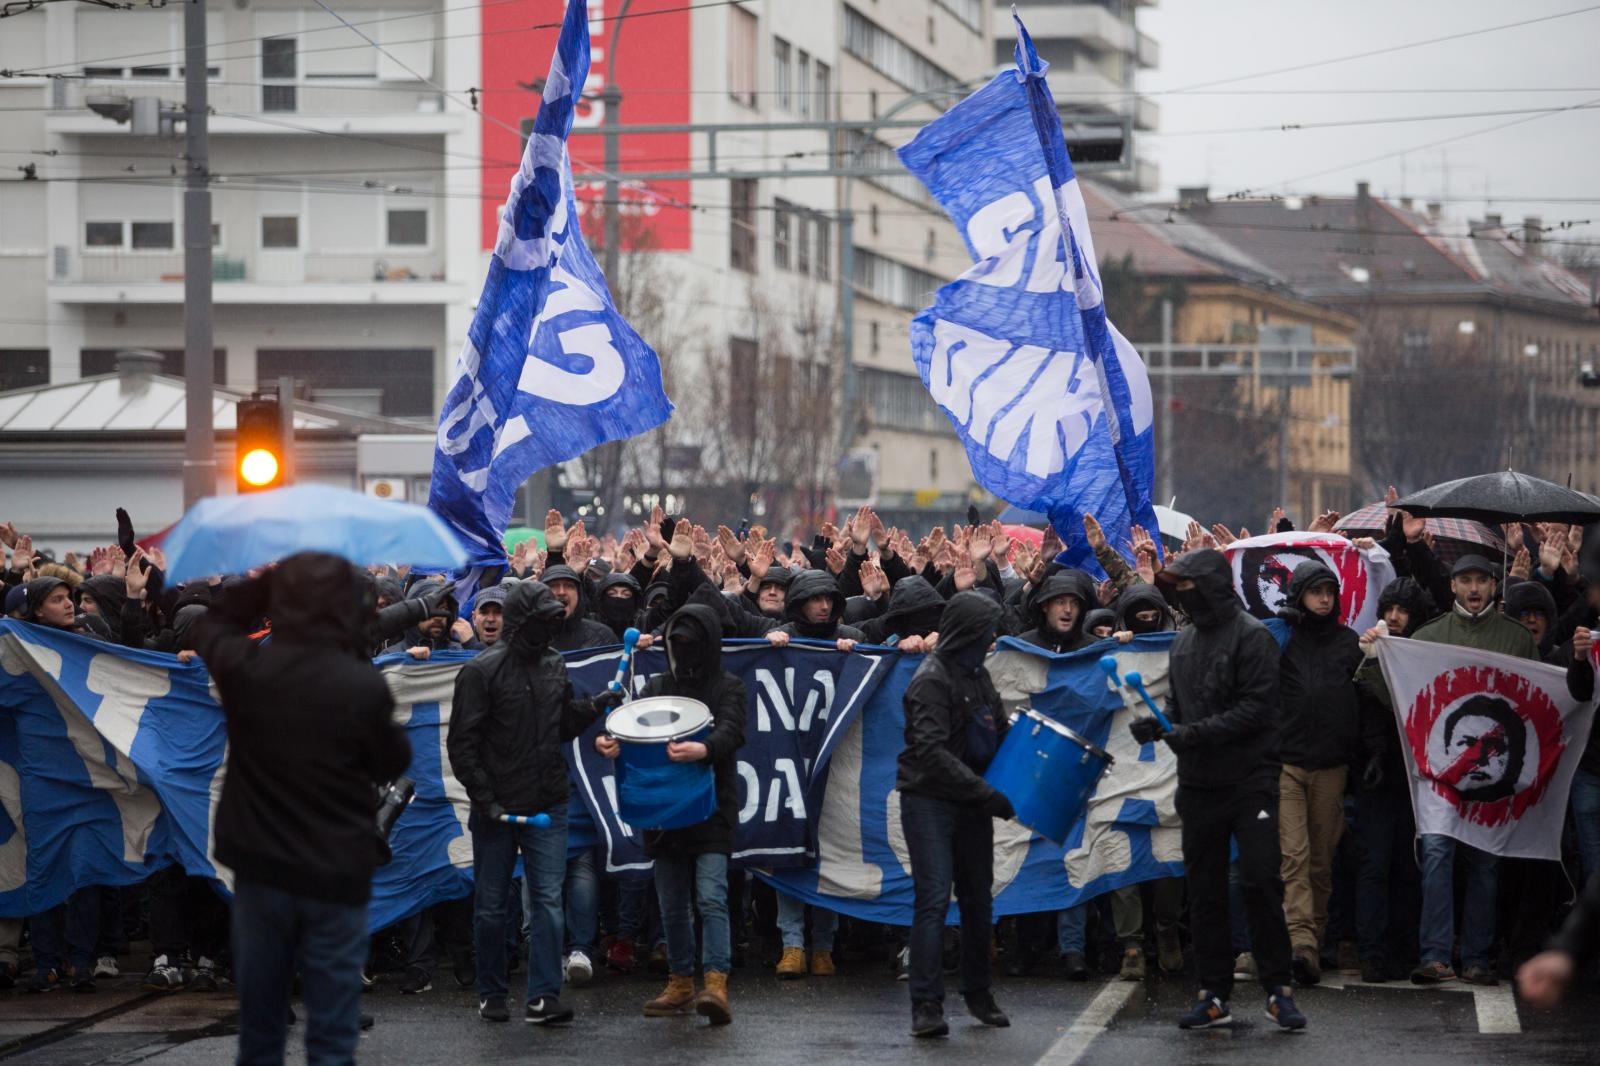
[(23, 367), (152, 234), (893, 283), (890, 56), (872, 219), (742, 400), (742, 234), (802, 242), (824, 248), (278, 57), (901, 401), (780, 73), (280, 231), (933, 465), (874, 335), (802, 84), (824, 80), (408, 228), (742, 37), (102, 235), (216, 235), (92, 362), (782, 238)]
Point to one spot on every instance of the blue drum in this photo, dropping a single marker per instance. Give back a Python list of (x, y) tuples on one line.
[(1047, 772), (653, 792)]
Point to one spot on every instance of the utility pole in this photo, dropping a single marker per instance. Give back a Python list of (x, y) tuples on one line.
[(199, 438), (1166, 493)]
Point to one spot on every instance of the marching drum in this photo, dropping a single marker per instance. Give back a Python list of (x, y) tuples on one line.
[(1047, 772), (653, 792)]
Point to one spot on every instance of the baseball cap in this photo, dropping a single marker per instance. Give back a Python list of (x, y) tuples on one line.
[(1469, 563)]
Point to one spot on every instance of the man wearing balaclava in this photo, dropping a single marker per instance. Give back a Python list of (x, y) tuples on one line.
[(954, 722), (1223, 699), (691, 863), (513, 709)]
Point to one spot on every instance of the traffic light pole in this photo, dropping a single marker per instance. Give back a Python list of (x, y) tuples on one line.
[(286, 427), (199, 438)]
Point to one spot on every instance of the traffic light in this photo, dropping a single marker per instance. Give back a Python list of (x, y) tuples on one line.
[(258, 446)]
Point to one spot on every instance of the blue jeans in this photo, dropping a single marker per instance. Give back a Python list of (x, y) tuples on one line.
[(950, 846), (1438, 901), (64, 936), (583, 901), (276, 932), (1586, 820), (1070, 928), (495, 847), (686, 884), (792, 924)]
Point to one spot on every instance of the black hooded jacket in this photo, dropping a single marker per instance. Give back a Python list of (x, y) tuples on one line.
[(954, 718), (809, 584), (418, 598), (1074, 583), (1224, 683), (702, 678), (616, 613), (110, 597), (513, 709), (915, 609), (1321, 725), (1380, 733), (1142, 597), (309, 729), (578, 631), (1522, 596)]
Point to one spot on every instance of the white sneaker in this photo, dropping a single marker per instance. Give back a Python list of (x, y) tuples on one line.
[(579, 970), (106, 966)]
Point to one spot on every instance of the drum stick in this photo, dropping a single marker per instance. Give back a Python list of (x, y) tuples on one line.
[(630, 638), (538, 821), (1108, 663), (1135, 681)]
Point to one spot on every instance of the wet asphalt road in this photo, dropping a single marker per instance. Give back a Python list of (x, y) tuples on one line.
[(859, 1016)]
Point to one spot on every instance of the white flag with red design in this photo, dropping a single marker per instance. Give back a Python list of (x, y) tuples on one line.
[(1262, 567), (1491, 742)]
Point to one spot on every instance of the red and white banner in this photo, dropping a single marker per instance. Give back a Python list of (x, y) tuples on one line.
[(1262, 567), (1491, 742)]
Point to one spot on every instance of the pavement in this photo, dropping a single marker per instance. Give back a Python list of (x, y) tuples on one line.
[(861, 1015)]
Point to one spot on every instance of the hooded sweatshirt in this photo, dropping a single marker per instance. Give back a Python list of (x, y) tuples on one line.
[(579, 630), (1524, 596), (618, 615), (915, 610), (1380, 734), (1321, 706), (1223, 695), (1074, 583), (954, 718), (805, 586), (1142, 597)]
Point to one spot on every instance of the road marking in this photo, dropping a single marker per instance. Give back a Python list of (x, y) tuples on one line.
[(1495, 1005), (1071, 1045)]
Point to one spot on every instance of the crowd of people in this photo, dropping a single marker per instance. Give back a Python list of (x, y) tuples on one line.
[(1298, 833)]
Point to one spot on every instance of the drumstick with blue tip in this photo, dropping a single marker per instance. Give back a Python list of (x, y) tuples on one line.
[(1135, 681), (538, 821), (630, 638), (1108, 663)]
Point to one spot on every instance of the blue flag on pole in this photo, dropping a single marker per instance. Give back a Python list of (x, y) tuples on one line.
[(549, 369), (1052, 404)]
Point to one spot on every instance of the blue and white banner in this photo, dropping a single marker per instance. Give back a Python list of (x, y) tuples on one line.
[(1052, 404), (550, 369), (1129, 834)]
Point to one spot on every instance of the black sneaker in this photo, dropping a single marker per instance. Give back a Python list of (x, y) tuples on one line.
[(493, 1009), (1374, 972), (84, 983), (983, 1007), (547, 1010), (927, 1019), (163, 976), (1479, 975), (465, 972), (45, 979), (204, 977), (416, 982), (1281, 1009), (1074, 967), (1208, 1011), (367, 1022)]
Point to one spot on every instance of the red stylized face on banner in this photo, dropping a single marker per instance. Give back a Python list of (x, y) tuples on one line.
[(1264, 573), (1487, 740)]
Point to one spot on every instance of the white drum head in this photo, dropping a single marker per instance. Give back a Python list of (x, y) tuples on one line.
[(658, 720)]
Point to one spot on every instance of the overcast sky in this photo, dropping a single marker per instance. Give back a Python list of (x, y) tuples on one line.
[(1554, 156)]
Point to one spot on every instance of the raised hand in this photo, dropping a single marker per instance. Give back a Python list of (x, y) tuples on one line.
[(936, 541), (1145, 563), (1024, 561), (1106, 592), (1551, 549), (860, 528), (119, 562), (880, 536), (1522, 565), (966, 574), (138, 578), (682, 544), (1052, 545), (1325, 522), (760, 561), (652, 532), (1222, 534), (731, 545), (1276, 520), (835, 559), (873, 582), (1002, 544), (1194, 537), (1093, 533), (555, 531), (981, 543), (8, 535)]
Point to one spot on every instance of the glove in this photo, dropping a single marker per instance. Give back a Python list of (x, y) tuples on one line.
[(434, 597), (997, 806), (1146, 729), (1372, 776), (605, 701), (491, 811)]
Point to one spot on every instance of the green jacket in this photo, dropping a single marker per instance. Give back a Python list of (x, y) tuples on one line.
[(1490, 631)]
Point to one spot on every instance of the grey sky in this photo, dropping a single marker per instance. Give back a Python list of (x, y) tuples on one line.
[(1554, 156)]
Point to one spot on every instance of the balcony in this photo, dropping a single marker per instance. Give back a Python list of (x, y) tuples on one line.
[(1147, 51), (1088, 24), (264, 276)]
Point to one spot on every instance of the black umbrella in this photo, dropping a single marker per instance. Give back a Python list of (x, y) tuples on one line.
[(1506, 496)]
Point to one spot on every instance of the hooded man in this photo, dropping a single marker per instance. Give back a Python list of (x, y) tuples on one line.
[(767, 592), (48, 602), (102, 599), (691, 863), (954, 722), (620, 600), (1057, 609), (435, 630), (576, 629), (1319, 736), (1473, 621), (1531, 604), (1388, 890), (914, 614), (1142, 609), (1223, 699), (513, 710), (309, 738)]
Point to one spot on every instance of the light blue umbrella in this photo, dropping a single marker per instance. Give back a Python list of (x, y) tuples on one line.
[(233, 534)]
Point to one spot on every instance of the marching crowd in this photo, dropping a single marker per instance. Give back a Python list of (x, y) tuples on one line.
[(1297, 825)]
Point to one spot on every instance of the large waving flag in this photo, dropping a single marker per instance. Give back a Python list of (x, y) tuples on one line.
[(1051, 402), (1491, 743), (549, 369)]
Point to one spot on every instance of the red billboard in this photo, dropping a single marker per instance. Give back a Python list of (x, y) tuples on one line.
[(652, 72)]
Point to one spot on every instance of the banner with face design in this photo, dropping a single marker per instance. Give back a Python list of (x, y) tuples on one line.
[(1491, 743), (1262, 567)]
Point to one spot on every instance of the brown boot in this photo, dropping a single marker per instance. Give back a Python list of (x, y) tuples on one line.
[(713, 1002), (675, 999), (822, 964), (792, 964)]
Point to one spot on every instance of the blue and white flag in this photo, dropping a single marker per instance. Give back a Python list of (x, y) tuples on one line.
[(549, 369), (1051, 402), (1129, 834)]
